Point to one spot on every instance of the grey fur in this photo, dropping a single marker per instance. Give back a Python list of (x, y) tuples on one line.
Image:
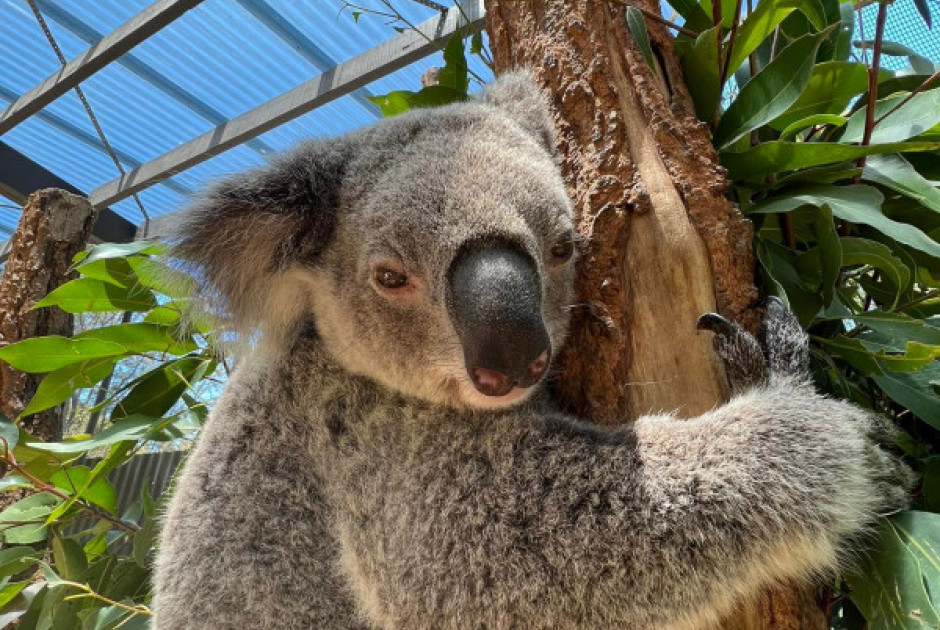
[(349, 477)]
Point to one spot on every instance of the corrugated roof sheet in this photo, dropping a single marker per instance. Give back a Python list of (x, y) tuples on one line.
[(217, 61)]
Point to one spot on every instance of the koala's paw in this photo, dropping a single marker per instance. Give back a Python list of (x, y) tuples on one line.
[(783, 349), (741, 354), (786, 342)]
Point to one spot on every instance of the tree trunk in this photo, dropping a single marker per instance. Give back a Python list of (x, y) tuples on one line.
[(661, 243), (55, 225)]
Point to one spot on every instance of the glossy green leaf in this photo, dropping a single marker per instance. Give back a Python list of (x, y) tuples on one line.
[(893, 171), (116, 271), (858, 204), (699, 61), (91, 295), (45, 354), (691, 11), (771, 91), (889, 587), (454, 72), (830, 87), (919, 63), (13, 560), (777, 156), (637, 26), (913, 391), (132, 428), (76, 481), (69, 558), (120, 250), (899, 326), (10, 590), (778, 264), (156, 394), (762, 21), (811, 121), (140, 337), (57, 386), (852, 350), (830, 252), (913, 118)]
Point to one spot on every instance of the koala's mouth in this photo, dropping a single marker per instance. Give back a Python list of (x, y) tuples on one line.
[(496, 384)]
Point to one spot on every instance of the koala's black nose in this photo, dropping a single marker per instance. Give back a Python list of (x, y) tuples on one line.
[(495, 302)]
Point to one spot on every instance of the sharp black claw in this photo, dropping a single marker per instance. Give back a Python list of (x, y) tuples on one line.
[(716, 324)]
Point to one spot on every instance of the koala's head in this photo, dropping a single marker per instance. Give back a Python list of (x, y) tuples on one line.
[(433, 251)]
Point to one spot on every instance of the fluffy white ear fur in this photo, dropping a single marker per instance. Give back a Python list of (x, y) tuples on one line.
[(518, 95)]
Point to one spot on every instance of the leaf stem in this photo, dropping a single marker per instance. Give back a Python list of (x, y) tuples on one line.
[(730, 47), (42, 486), (920, 88), (873, 82), (140, 609)]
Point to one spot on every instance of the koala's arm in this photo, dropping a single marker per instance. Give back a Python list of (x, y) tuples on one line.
[(666, 523)]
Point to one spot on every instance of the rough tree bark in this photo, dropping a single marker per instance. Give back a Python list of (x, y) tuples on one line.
[(661, 243), (54, 226)]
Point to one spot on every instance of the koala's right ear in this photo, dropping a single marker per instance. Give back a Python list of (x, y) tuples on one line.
[(518, 95), (248, 234)]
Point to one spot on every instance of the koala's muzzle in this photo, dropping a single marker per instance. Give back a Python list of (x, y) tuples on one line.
[(495, 302)]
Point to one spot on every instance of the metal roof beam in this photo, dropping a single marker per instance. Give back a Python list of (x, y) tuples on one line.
[(143, 70), (346, 77), (20, 177), (112, 46), (293, 37), (90, 140)]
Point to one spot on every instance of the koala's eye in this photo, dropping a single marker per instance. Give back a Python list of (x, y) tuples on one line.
[(563, 249), (390, 279)]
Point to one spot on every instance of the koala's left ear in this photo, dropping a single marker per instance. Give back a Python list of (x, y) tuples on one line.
[(249, 233), (520, 97)]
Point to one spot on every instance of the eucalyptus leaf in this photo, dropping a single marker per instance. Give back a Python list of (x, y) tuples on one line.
[(70, 561), (121, 250), (761, 22), (777, 156), (699, 59), (771, 91), (161, 389), (893, 171), (76, 481), (131, 428), (90, 295), (913, 391), (916, 116), (46, 354), (811, 121), (56, 387), (830, 87), (637, 26)]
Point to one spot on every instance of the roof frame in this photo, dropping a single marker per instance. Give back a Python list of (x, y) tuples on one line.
[(112, 46), (346, 77)]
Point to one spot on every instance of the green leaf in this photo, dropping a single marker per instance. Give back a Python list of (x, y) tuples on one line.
[(637, 26), (919, 63), (894, 172), (831, 86), (155, 275), (454, 72), (858, 204), (811, 121), (699, 61), (159, 390), (58, 386), (889, 588), (78, 483), (13, 560), (70, 561), (45, 354), (915, 117), (771, 91), (691, 11), (830, 252), (859, 251), (91, 295), (121, 250), (143, 542), (32, 508), (140, 337), (853, 351), (10, 590), (116, 271), (777, 156), (778, 264), (913, 391), (131, 428), (760, 23)]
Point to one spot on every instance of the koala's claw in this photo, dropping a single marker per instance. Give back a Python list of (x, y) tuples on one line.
[(740, 352), (786, 342)]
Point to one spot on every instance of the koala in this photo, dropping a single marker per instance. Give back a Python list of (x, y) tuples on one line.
[(385, 455)]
